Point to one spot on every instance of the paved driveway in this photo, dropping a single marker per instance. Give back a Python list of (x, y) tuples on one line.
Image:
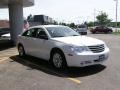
[(33, 74)]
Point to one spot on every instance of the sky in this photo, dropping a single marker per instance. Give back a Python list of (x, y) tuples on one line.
[(77, 11)]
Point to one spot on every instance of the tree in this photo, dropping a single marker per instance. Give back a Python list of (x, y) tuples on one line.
[(102, 19), (72, 25), (55, 22), (62, 23), (90, 24)]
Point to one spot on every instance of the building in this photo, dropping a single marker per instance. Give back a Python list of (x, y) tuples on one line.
[(4, 23), (15, 8), (41, 20)]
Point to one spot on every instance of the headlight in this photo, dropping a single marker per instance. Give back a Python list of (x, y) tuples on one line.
[(105, 45), (79, 49)]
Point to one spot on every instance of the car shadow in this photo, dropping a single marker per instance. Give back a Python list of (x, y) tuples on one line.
[(44, 66), (101, 33), (5, 44)]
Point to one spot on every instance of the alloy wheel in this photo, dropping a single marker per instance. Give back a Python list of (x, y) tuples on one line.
[(57, 60)]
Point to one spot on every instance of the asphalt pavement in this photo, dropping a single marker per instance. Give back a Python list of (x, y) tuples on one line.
[(31, 73)]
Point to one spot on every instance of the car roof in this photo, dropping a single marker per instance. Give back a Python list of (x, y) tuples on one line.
[(45, 26)]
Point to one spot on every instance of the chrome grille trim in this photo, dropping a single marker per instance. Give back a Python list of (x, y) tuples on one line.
[(97, 48)]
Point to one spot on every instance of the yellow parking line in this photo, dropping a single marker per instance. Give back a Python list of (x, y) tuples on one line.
[(68, 78), (75, 80), (71, 79), (3, 59)]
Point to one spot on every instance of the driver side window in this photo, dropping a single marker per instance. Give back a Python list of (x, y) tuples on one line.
[(41, 33)]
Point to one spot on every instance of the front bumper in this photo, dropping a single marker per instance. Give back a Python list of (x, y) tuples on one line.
[(86, 58)]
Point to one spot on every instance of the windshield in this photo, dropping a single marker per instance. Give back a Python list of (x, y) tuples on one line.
[(61, 31), (82, 26)]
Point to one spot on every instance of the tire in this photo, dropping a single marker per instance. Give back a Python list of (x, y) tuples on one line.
[(109, 32), (93, 32), (21, 51), (58, 59)]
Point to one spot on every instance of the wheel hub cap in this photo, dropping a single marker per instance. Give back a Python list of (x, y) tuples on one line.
[(57, 60), (20, 51)]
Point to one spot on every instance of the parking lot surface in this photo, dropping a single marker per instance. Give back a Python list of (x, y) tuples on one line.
[(31, 73)]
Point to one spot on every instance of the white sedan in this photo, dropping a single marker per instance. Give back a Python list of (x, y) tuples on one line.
[(62, 46)]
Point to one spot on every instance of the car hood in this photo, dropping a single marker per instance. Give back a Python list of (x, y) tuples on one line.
[(79, 40)]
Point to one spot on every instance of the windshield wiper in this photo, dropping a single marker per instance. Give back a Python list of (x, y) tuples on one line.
[(59, 36), (75, 35)]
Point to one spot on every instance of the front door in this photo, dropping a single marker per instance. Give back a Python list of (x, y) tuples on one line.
[(41, 44)]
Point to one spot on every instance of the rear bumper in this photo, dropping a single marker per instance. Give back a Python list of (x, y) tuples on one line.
[(87, 59)]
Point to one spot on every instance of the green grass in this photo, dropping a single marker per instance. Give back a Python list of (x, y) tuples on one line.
[(116, 33)]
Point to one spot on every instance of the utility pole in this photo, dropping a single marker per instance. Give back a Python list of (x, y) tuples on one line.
[(94, 18), (116, 13)]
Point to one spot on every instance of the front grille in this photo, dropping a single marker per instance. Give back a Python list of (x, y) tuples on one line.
[(97, 48)]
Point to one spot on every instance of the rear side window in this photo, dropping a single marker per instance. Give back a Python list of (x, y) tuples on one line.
[(25, 33), (30, 33)]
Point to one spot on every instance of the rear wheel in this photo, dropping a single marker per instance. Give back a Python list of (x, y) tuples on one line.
[(21, 51), (58, 59)]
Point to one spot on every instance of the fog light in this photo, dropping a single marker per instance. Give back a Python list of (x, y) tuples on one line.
[(82, 64), (70, 54)]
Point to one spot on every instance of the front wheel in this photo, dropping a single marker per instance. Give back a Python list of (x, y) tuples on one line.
[(93, 32), (58, 60)]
